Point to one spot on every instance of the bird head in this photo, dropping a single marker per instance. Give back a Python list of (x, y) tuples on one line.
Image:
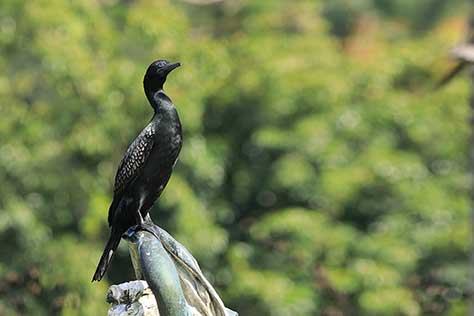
[(156, 74)]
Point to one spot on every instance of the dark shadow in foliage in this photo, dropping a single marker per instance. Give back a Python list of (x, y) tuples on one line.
[(421, 14), (342, 16), (367, 205), (436, 293), (413, 78)]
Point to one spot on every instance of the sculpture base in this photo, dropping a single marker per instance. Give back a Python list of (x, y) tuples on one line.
[(132, 298), (175, 284)]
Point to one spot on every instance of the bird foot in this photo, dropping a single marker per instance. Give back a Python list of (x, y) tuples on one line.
[(130, 233)]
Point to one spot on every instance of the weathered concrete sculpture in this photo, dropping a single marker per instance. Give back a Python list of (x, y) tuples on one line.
[(175, 285)]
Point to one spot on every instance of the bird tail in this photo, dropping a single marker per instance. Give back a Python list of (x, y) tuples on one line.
[(107, 255)]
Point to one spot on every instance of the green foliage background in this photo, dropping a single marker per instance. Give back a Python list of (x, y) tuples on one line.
[(320, 174)]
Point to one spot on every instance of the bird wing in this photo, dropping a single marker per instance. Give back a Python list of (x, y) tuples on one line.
[(131, 166)]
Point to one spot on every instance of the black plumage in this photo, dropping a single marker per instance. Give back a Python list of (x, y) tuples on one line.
[(147, 164)]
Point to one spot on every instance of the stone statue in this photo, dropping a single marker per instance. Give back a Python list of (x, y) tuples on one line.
[(175, 285)]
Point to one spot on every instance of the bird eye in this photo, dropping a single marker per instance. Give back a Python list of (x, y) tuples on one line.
[(161, 64)]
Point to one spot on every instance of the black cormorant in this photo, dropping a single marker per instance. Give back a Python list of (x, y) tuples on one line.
[(147, 164)]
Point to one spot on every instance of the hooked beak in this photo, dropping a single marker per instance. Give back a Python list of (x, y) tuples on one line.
[(168, 68)]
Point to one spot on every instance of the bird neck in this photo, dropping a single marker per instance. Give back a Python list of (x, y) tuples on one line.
[(158, 100)]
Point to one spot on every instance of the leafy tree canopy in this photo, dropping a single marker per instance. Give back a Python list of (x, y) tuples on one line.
[(320, 173)]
